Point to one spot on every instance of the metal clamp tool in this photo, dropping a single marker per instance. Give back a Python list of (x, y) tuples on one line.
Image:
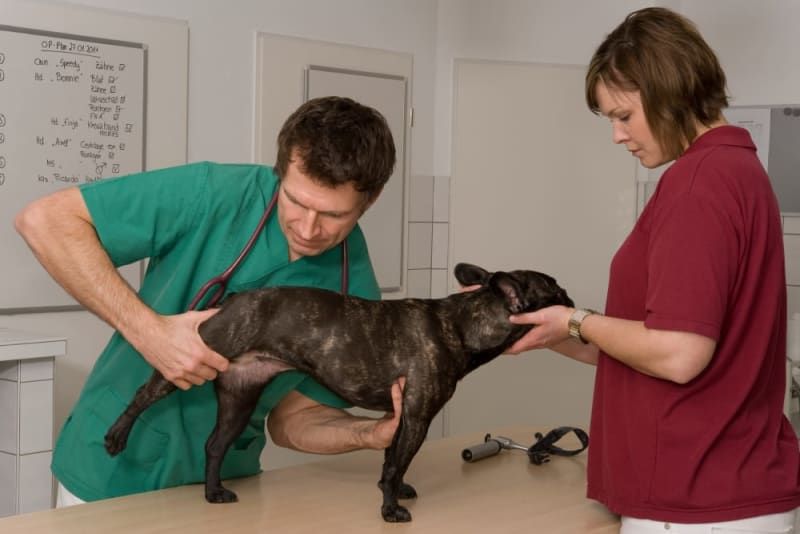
[(538, 453), (490, 447)]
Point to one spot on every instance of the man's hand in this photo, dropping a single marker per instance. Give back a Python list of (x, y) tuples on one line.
[(174, 347), (384, 429)]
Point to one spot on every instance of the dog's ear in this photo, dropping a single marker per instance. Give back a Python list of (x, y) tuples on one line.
[(470, 275), (510, 289)]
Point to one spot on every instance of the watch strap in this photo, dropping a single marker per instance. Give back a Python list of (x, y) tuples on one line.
[(576, 320)]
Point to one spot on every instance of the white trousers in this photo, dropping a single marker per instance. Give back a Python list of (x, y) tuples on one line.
[(64, 498), (765, 524)]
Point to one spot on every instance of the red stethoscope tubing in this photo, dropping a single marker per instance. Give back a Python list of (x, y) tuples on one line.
[(221, 280)]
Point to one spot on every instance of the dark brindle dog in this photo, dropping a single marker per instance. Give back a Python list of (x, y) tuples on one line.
[(357, 348)]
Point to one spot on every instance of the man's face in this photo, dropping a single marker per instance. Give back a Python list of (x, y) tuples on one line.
[(315, 217)]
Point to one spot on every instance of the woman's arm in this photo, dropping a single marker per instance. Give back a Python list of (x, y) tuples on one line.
[(670, 355)]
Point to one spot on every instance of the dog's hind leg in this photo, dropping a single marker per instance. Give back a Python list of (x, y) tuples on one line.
[(406, 443), (233, 412), (238, 390), (155, 388)]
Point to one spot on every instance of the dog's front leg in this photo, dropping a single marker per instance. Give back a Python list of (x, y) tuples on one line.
[(406, 443), (405, 491)]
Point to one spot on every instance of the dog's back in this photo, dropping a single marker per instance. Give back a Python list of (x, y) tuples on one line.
[(356, 347)]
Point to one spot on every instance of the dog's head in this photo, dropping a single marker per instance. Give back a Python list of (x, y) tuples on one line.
[(500, 295), (522, 291)]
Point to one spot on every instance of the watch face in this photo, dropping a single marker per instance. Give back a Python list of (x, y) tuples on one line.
[(576, 318), (575, 323), (573, 329)]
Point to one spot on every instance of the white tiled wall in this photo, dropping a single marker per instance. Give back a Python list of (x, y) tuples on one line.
[(439, 283), (26, 435), (428, 245), (8, 494), (428, 236), (9, 396), (35, 482), (441, 199), (419, 282), (420, 207), (36, 407), (420, 238), (439, 245)]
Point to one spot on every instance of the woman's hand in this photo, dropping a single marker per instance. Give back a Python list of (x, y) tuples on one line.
[(551, 327)]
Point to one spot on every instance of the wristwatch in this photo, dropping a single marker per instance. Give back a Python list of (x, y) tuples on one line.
[(575, 321)]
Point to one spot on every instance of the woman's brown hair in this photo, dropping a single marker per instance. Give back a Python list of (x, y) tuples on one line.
[(662, 55)]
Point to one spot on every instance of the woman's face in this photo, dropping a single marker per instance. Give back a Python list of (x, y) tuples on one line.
[(629, 124)]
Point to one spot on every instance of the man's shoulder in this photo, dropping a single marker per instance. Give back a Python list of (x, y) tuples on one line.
[(213, 168), (228, 178), (206, 167)]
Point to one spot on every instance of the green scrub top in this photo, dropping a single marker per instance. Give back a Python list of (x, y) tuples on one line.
[(191, 222)]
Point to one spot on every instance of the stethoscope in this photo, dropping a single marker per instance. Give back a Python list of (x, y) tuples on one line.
[(221, 280)]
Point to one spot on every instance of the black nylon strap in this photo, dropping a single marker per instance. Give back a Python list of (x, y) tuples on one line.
[(544, 446)]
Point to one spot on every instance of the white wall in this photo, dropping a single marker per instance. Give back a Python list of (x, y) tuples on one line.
[(756, 43), (538, 31), (222, 51), (754, 40)]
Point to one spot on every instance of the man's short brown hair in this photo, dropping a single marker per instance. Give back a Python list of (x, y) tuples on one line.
[(338, 140)]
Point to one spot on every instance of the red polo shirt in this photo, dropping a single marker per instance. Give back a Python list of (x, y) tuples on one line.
[(706, 256)]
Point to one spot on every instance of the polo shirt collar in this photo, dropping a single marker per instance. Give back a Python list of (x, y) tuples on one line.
[(726, 134)]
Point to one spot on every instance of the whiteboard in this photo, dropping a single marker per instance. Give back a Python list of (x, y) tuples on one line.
[(72, 111), (382, 224)]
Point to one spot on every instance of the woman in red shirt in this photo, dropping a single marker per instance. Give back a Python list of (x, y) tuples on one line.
[(688, 432)]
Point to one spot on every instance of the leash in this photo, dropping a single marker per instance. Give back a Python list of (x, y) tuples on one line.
[(544, 446), (538, 453)]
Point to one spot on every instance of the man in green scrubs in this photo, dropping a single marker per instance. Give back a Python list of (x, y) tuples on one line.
[(192, 221)]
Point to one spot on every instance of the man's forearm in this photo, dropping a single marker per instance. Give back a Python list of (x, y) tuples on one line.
[(303, 424), (77, 261), (326, 430)]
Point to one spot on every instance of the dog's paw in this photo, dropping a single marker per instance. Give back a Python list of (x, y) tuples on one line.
[(395, 514), (220, 495), (115, 442), (406, 491)]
